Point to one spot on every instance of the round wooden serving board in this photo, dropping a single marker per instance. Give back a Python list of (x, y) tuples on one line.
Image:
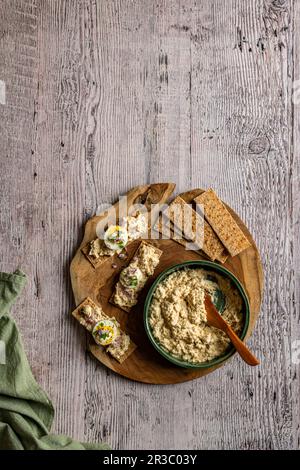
[(145, 364)]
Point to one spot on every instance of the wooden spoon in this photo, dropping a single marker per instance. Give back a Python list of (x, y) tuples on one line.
[(215, 319)]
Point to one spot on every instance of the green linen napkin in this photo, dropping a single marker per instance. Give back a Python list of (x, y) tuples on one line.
[(26, 413)]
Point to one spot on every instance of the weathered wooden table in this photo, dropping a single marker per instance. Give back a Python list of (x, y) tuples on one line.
[(97, 96)]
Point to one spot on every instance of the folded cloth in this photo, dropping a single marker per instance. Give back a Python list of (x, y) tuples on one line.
[(26, 413)]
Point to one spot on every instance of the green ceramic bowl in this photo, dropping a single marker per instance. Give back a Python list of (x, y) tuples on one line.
[(209, 266)]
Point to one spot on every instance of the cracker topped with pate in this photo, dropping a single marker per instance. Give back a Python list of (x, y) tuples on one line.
[(133, 277), (105, 330), (115, 238)]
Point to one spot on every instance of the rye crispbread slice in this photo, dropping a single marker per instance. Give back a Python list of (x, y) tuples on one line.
[(135, 257), (99, 315), (208, 241), (223, 223), (113, 351), (223, 256), (161, 227), (95, 262)]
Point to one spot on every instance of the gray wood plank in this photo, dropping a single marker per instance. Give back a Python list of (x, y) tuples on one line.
[(294, 207), (42, 194), (103, 96), (241, 141)]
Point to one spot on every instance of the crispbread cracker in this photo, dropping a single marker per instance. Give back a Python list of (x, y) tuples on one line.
[(209, 243), (132, 347), (145, 242), (97, 317), (171, 232), (135, 255), (94, 261), (123, 307), (161, 227), (223, 256), (212, 246), (223, 223)]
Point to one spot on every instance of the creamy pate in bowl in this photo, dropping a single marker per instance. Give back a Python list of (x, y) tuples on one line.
[(175, 317)]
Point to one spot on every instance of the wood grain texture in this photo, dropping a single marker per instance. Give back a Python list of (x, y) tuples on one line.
[(103, 96), (294, 205)]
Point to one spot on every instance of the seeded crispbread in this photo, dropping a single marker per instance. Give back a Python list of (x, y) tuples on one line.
[(161, 227), (209, 242), (223, 223), (99, 315), (113, 351), (143, 243), (223, 256), (94, 261), (169, 231), (95, 317)]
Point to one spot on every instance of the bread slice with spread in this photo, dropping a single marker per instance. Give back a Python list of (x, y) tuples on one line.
[(105, 330), (115, 238), (134, 276)]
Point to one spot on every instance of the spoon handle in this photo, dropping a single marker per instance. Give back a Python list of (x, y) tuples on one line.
[(241, 348)]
